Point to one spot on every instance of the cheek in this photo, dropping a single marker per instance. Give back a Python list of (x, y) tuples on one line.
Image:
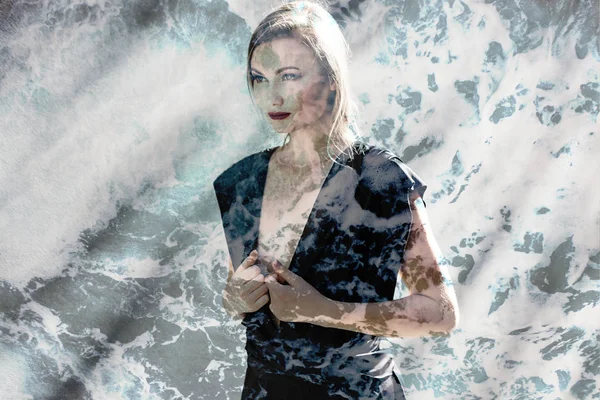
[(313, 98), (315, 94), (257, 93), (260, 97)]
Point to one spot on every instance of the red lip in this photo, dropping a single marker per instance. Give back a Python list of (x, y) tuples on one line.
[(279, 115)]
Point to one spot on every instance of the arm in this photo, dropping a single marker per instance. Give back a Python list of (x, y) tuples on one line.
[(431, 306)]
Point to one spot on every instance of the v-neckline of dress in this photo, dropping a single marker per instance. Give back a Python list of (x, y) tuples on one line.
[(339, 160)]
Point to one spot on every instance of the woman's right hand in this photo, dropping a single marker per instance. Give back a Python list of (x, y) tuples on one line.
[(246, 290)]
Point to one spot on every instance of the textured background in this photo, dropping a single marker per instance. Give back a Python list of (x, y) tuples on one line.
[(116, 115)]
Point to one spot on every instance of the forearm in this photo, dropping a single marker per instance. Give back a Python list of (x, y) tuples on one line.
[(412, 316)]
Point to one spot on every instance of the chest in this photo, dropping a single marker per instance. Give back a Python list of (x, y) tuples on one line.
[(286, 206)]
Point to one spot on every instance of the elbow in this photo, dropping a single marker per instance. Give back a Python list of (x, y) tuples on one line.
[(449, 324), (451, 318), (440, 317)]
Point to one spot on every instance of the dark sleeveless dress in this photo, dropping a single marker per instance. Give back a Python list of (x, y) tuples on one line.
[(350, 250)]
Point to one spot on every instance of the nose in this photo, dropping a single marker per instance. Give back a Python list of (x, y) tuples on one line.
[(276, 98)]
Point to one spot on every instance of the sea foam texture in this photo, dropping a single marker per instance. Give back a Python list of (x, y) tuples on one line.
[(117, 115)]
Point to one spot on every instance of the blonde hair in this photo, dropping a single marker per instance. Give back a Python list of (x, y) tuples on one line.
[(316, 28)]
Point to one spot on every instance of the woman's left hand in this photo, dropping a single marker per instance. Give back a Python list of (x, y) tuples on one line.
[(297, 302)]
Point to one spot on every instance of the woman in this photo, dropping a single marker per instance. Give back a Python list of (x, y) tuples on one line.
[(320, 228)]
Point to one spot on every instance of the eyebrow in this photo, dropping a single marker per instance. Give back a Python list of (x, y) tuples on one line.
[(276, 72)]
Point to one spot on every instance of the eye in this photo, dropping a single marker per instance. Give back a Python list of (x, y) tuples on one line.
[(291, 76), (256, 78)]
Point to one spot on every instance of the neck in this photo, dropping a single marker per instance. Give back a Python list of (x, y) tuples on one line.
[(307, 148), (304, 151)]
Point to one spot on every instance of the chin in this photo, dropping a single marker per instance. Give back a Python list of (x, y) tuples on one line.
[(280, 128), (282, 131)]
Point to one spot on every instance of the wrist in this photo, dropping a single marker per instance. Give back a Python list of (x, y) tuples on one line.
[(228, 306), (331, 311)]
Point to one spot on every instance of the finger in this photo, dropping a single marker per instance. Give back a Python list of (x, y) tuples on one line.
[(258, 293), (264, 299), (271, 281), (280, 279), (285, 273), (273, 287), (252, 284), (248, 261), (277, 278), (249, 273)]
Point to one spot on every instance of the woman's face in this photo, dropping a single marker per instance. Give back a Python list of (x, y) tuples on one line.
[(288, 79)]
